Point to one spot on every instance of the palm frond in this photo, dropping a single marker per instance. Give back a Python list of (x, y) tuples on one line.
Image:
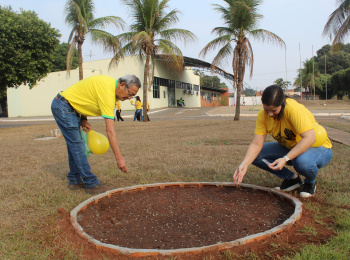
[(338, 24), (176, 34), (264, 35), (103, 22)]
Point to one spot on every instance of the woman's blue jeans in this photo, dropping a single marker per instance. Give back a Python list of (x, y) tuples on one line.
[(307, 164), (138, 111), (69, 122)]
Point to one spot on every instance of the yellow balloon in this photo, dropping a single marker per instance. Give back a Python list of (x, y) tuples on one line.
[(321, 136), (97, 142), (131, 101)]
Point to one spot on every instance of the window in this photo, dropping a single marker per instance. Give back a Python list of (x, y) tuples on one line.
[(196, 87), (178, 84), (155, 91)]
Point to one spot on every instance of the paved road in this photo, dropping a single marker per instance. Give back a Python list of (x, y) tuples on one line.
[(219, 113)]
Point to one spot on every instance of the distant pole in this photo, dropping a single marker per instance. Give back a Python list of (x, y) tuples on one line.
[(285, 61), (313, 71), (325, 71), (301, 78)]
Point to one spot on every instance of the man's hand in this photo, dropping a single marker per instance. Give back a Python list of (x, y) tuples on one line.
[(122, 164), (85, 125)]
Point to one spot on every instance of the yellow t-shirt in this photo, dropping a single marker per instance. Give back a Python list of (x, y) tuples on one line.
[(295, 120), (118, 105), (138, 105), (93, 96)]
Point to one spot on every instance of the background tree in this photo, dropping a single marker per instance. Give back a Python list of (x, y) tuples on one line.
[(59, 61), (334, 61), (338, 24), (283, 84), (80, 16), (309, 75), (27, 46), (340, 83), (249, 92), (241, 19), (150, 35)]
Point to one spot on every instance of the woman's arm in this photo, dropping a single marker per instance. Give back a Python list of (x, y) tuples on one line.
[(308, 138), (253, 150)]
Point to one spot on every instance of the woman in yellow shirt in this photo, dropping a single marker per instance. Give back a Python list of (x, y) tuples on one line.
[(285, 119), (138, 107)]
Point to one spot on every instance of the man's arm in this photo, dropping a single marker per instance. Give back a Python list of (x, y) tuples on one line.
[(112, 137)]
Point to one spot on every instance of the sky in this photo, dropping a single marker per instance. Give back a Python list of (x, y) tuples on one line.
[(299, 23)]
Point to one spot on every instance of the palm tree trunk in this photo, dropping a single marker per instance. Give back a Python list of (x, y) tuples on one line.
[(80, 56), (239, 86), (145, 77)]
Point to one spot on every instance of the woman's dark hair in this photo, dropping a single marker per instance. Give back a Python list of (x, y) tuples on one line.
[(138, 98), (273, 96)]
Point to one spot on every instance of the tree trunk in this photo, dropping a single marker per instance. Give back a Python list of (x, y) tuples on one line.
[(80, 56), (239, 86), (145, 77), (3, 103)]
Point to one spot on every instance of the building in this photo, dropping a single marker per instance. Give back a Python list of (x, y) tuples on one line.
[(168, 86)]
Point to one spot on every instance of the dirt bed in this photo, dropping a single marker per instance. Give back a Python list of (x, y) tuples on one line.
[(173, 218)]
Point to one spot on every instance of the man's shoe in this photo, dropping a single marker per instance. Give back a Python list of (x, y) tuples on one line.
[(292, 184), (100, 188), (308, 190), (76, 186)]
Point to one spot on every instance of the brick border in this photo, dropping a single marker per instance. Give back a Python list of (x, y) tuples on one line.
[(183, 251)]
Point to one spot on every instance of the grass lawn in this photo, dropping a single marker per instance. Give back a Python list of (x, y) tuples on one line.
[(33, 182)]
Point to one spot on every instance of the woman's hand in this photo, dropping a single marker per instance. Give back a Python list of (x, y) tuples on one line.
[(278, 164), (239, 174)]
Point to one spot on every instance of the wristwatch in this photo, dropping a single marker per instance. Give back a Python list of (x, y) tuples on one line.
[(286, 158)]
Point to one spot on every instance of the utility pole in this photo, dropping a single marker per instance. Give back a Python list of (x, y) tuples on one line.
[(325, 73), (313, 71), (300, 76)]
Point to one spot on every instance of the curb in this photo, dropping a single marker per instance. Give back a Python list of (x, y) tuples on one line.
[(182, 251)]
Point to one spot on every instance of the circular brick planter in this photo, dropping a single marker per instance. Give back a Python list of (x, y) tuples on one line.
[(183, 251)]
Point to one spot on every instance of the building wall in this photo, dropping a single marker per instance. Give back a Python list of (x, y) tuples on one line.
[(222, 99), (25, 102)]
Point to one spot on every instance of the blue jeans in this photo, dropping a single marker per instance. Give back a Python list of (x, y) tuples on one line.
[(138, 111), (306, 164), (69, 122)]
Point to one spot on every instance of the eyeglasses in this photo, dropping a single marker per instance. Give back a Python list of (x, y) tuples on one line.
[(130, 94)]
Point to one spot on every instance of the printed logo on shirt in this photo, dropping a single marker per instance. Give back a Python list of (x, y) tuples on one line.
[(289, 134)]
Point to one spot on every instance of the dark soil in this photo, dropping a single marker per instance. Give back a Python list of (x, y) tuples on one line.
[(173, 218)]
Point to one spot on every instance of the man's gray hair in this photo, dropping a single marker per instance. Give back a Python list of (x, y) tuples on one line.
[(130, 80)]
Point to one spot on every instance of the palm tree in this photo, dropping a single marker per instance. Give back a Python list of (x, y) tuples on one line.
[(241, 20), (338, 23), (80, 16), (309, 77), (151, 35)]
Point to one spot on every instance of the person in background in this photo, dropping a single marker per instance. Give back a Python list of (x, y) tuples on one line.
[(284, 118), (138, 107), (148, 108), (181, 102), (118, 111), (93, 96)]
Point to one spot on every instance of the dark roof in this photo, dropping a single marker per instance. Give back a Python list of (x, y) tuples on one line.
[(191, 62), (222, 90), (194, 63)]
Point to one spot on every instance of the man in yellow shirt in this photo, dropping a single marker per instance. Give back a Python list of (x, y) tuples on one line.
[(93, 96), (285, 119)]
